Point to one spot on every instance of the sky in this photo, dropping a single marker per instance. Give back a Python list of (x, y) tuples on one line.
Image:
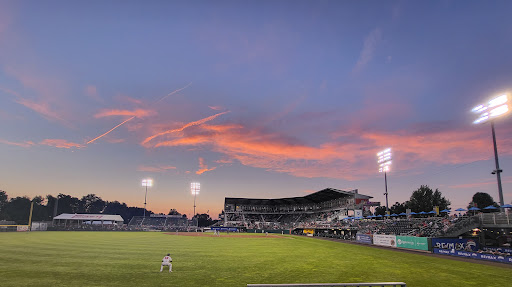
[(258, 99)]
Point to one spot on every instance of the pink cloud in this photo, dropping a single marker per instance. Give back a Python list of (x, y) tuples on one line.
[(61, 143), (44, 94), (42, 108), (92, 93), (216, 108), (139, 113), (194, 123), (224, 161), (480, 184), (352, 155), (124, 98), (21, 144), (203, 167)]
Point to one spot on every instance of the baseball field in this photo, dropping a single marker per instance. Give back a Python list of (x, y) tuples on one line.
[(133, 259)]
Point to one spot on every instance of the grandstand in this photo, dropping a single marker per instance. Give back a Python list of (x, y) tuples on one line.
[(321, 207), (161, 222)]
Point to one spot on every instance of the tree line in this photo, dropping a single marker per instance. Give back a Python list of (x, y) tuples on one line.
[(424, 199), (17, 209)]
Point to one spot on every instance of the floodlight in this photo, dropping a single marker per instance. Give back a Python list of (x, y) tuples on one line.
[(488, 112), (493, 109), (147, 182), (195, 187), (384, 161), (498, 101)]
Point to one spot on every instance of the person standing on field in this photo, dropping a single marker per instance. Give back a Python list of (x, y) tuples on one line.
[(166, 261)]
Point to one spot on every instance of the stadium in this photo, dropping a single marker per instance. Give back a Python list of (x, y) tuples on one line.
[(255, 143), (326, 237)]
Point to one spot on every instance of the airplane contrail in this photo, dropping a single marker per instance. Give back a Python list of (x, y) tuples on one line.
[(174, 92), (171, 93), (195, 123), (94, 139)]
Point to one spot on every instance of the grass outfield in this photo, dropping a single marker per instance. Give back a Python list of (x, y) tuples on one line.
[(133, 259)]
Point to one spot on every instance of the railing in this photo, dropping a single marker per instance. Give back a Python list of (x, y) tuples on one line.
[(330, 284), (462, 226), (496, 218)]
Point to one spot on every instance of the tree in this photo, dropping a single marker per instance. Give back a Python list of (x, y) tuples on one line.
[(398, 208), (380, 210), (18, 210), (40, 212), (92, 203), (68, 204), (3, 202), (173, 211), (204, 220), (482, 200), (424, 199)]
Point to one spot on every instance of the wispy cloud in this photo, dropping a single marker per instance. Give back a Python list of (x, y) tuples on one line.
[(43, 94), (203, 167), (370, 43), (43, 108), (20, 144), (61, 143), (194, 123), (91, 92), (134, 114), (479, 184), (352, 156), (139, 113), (216, 108), (160, 168)]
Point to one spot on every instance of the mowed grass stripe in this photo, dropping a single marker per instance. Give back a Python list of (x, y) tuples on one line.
[(133, 259)]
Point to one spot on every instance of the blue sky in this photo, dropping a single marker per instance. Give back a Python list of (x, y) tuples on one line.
[(252, 99)]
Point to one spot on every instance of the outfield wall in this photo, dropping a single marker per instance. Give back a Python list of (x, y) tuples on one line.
[(279, 231), (474, 255)]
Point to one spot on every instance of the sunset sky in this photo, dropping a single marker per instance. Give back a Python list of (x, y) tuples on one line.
[(260, 99)]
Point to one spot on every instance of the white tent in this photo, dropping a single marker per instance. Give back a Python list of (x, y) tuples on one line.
[(89, 218)]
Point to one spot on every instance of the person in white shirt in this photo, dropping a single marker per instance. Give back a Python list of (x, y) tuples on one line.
[(166, 261)]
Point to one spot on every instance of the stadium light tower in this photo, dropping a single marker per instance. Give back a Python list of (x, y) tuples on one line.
[(495, 108), (146, 182), (194, 188), (384, 161)]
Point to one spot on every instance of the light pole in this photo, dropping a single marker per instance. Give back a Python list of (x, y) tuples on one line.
[(384, 161), (488, 112), (194, 188), (146, 182)]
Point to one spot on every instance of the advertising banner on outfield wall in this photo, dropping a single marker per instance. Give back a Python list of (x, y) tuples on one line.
[(500, 249), (468, 244), (412, 242), (469, 254), (364, 238), (384, 240)]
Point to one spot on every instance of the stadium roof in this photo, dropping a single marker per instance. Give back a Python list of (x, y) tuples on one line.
[(93, 217), (323, 195)]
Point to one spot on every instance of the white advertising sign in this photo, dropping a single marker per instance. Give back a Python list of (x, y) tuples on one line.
[(384, 240)]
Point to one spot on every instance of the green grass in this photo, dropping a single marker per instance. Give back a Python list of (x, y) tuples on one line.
[(133, 259)]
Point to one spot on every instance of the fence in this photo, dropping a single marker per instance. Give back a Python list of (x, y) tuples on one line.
[(496, 218)]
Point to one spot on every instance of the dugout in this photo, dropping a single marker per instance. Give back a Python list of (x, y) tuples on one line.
[(67, 219)]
